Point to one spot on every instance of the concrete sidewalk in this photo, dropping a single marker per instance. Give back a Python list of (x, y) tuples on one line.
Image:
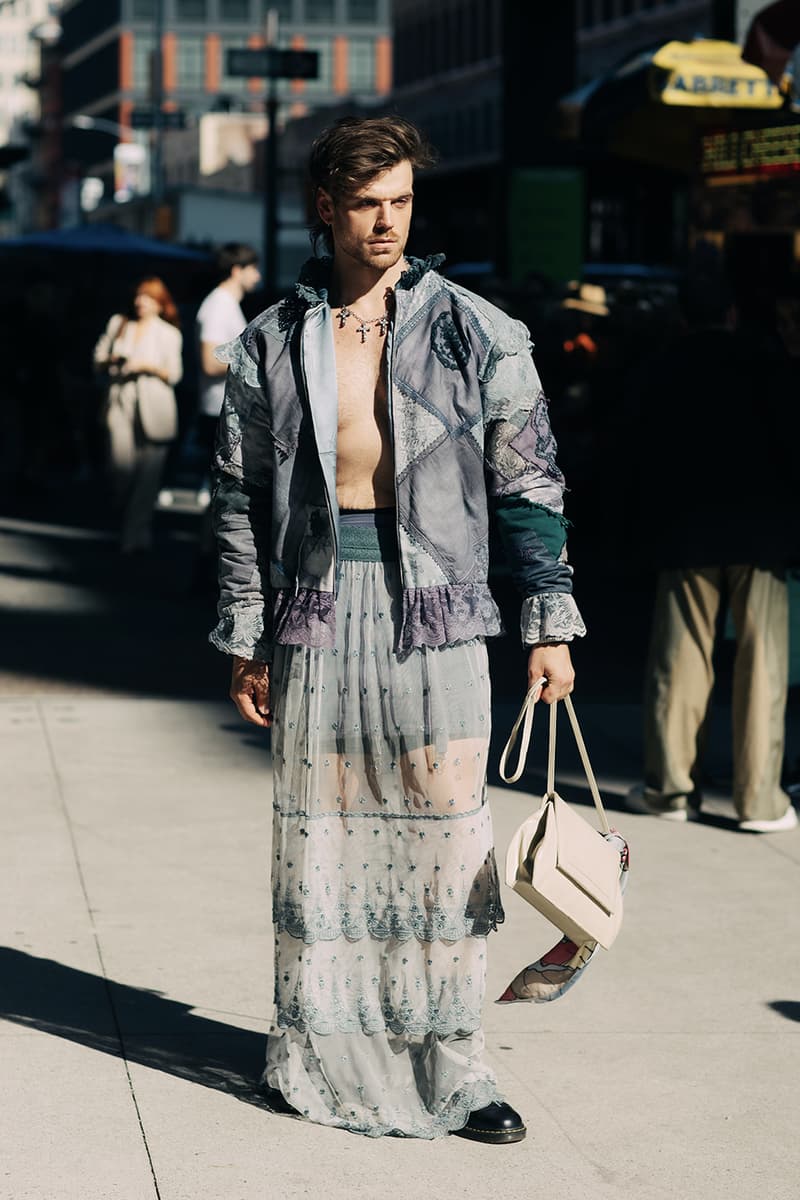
[(136, 984)]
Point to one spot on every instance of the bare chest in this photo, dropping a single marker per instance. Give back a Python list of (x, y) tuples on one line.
[(360, 377)]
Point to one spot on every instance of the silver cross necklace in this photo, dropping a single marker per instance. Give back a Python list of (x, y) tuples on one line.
[(366, 323)]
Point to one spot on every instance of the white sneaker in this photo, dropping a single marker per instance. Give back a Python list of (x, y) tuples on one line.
[(636, 801), (779, 825)]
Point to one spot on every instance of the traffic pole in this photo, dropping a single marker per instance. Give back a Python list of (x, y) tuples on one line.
[(158, 104), (271, 195), (271, 170)]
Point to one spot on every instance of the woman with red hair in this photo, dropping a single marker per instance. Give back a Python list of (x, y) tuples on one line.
[(140, 351)]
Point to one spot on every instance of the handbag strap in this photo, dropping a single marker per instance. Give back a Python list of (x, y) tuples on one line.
[(525, 719)]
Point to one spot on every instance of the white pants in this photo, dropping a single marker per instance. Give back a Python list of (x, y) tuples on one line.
[(137, 468)]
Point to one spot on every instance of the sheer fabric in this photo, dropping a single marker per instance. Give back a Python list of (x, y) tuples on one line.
[(384, 879)]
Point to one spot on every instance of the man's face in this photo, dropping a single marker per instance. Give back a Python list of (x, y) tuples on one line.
[(249, 277), (371, 226)]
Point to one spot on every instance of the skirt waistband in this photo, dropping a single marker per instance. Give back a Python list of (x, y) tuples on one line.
[(368, 535)]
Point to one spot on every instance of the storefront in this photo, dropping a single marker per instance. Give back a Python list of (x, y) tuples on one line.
[(745, 202), (644, 133)]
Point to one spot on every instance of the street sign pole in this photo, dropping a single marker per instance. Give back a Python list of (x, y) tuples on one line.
[(158, 104), (271, 170), (272, 64), (271, 194)]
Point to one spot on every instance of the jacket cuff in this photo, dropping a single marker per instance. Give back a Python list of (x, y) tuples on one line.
[(241, 631), (550, 617)]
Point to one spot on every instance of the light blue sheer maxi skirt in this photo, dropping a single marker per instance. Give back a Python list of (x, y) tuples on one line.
[(384, 879)]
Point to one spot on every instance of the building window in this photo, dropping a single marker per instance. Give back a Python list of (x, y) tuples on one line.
[(320, 10), (361, 65), (191, 10), (144, 10), (362, 10), (284, 9), (142, 61), (191, 61), (234, 10)]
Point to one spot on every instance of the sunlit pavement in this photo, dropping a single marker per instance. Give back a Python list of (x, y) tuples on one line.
[(136, 976)]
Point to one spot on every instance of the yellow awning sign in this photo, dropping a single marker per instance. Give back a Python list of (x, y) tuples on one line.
[(711, 74)]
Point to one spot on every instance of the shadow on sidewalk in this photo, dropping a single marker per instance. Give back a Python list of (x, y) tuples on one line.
[(80, 615), (131, 1023)]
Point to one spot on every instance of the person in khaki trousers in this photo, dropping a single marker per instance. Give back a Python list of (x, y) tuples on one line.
[(680, 679), (715, 430), (141, 355)]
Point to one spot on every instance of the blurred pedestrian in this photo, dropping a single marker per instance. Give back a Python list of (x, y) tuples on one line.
[(353, 537), (713, 443), (140, 353), (219, 320)]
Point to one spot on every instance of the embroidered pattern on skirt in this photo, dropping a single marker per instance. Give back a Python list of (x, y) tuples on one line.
[(384, 878)]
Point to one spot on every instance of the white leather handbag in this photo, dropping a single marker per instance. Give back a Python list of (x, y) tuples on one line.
[(557, 861)]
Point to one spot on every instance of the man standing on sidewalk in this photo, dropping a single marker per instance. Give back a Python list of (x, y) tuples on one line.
[(369, 419)]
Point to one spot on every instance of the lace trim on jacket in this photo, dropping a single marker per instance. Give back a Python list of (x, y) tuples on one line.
[(550, 617), (240, 631), (305, 617), (445, 615), (432, 616)]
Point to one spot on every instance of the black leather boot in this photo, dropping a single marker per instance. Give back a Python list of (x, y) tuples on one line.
[(497, 1122), (276, 1101)]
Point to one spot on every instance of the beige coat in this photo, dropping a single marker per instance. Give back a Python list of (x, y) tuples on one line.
[(147, 397)]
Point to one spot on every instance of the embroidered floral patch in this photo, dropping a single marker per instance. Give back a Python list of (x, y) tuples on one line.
[(447, 343)]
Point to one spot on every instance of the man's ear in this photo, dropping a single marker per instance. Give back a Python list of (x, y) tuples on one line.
[(324, 206)]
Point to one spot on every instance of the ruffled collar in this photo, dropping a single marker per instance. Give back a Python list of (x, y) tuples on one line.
[(314, 279)]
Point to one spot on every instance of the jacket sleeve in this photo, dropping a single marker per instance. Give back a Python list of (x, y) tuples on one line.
[(242, 511), (105, 343), (526, 487)]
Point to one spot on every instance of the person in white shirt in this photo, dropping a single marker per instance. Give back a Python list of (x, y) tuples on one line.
[(220, 319)]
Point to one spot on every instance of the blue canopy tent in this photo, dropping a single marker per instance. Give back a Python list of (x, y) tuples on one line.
[(102, 239)]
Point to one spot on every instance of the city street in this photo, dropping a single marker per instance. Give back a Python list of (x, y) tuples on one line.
[(136, 968)]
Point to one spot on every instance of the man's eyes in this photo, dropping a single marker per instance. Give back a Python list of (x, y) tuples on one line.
[(400, 202)]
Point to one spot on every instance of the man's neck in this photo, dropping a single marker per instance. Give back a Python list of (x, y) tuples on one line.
[(233, 287), (354, 285)]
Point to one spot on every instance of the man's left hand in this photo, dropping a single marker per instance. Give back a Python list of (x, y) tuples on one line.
[(552, 661)]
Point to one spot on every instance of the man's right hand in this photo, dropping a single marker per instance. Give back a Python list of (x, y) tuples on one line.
[(250, 690)]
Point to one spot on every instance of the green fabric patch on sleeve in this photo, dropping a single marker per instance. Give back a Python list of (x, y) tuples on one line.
[(518, 517)]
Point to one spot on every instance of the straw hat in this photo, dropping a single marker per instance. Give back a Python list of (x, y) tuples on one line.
[(588, 298)]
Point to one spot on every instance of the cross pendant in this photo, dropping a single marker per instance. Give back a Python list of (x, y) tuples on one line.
[(363, 329), (344, 313), (384, 324)]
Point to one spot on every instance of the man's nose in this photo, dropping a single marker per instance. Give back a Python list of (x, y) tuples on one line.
[(384, 217)]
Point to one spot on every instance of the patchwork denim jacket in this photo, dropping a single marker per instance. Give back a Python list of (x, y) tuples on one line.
[(469, 427)]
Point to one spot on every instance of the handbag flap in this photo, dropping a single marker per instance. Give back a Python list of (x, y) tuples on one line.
[(584, 855), (526, 836)]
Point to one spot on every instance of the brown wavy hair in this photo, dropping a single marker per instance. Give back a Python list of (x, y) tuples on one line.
[(155, 287), (350, 153)]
